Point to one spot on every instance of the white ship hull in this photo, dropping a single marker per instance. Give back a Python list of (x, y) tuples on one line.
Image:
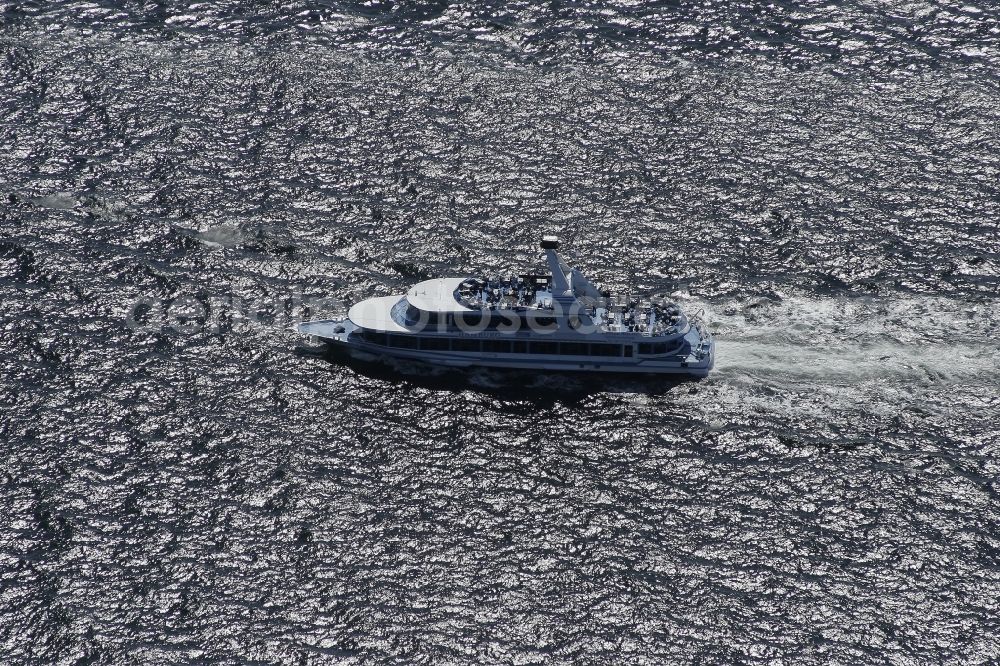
[(696, 362), (555, 322)]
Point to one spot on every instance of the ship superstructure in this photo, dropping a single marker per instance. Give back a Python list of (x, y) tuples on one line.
[(553, 321)]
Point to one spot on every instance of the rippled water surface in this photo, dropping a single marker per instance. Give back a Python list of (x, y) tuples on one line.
[(822, 180)]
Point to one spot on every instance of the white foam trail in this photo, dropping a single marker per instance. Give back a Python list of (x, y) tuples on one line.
[(808, 358), (858, 339), (221, 237), (959, 362), (57, 201)]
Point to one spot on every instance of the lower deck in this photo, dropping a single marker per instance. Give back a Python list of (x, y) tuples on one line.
[(691, 354), (504, 345)]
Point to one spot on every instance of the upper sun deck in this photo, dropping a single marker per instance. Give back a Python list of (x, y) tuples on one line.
[(439, 295), (531, 295), (518, 292)]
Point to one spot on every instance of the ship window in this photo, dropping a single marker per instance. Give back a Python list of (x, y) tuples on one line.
[(628, 350), (415, 316), (660, 348), (496, 346), (520, 346), (465, 344), (573, 349), (403, 341), (645, 348), (510, 320), (434, 344), (599, 349), (472, 321), (374, 337), (544, 348), (537, 322), (472, 318)]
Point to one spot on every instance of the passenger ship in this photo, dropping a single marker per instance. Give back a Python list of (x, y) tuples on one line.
[(558, 321)]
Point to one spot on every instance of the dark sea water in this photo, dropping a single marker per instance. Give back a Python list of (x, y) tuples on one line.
[(184, 481)]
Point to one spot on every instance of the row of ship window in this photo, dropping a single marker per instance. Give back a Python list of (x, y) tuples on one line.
[(473, 319), (495, 346)]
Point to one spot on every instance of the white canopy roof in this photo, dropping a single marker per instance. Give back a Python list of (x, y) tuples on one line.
[(376, 313), (437, 295)]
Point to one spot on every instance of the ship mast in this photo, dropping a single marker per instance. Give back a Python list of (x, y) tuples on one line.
[(566, 280)]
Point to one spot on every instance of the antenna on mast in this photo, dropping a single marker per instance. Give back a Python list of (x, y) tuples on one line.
[(560, 281)]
